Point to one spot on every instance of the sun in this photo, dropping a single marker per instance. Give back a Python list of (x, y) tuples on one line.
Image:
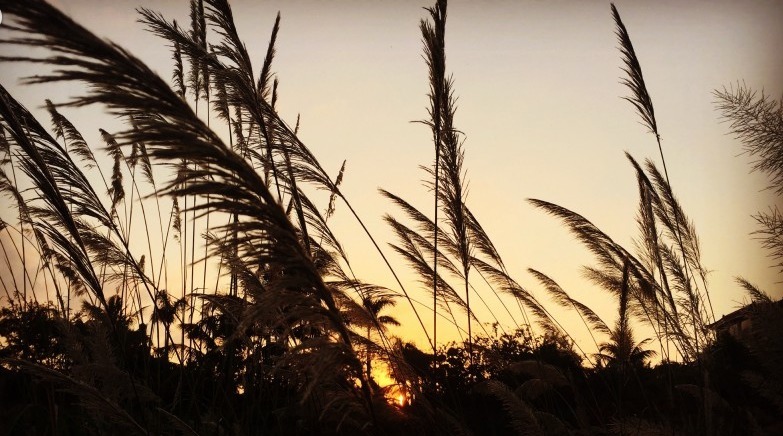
[(397, 395), (395, 392)]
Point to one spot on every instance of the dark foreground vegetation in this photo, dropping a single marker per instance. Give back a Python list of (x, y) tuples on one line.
[(131, 339)]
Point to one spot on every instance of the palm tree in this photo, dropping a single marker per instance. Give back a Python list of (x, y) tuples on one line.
[(113, 317), (622, 351), (164, 313), (374, 306)]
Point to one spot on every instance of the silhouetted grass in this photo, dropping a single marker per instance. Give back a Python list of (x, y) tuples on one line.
[(127, 341)]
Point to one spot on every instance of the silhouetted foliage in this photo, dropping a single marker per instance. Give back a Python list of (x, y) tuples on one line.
[(293, 345)]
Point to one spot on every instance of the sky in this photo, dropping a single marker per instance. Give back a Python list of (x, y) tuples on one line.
[(539, 103)]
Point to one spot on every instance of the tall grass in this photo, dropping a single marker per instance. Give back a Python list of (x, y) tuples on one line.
[(288, 340), (210, 177)]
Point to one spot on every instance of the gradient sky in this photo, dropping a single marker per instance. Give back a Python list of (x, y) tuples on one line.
[(539, 103)]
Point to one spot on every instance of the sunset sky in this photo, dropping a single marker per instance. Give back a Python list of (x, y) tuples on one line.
[(540, 107)]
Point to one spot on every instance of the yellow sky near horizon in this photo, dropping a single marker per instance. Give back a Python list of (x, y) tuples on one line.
[(540, 107)]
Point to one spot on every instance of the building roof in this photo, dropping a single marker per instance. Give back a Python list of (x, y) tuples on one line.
[(738, 315)]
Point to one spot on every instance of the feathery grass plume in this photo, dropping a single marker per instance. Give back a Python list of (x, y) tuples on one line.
[(423, 242), (273, 103), (296, 195), (263, 91), (425, 225), (481, 241), (451, 157), (195, 77), (506, 284), (319, 229), (478, 237), (612, 258), (177, 219), (771, 233), (448, 164), (333, 194), (220, 104), (560, 296), (607, 252), (639, 98), (647, 309), (138, 155), (246, 94), (648, 227), (146, 166), (651, 252), (178, 75), (413, 242), (434, 51), (426, 235), (236, 76), (46, 164), (682, 233), (266, 69), (415, 258), (756, 294), (202, 40), (116, 190), (128, 88), (81, 204), (757, 121), (242, 93), (669, 211), (67, 132)]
